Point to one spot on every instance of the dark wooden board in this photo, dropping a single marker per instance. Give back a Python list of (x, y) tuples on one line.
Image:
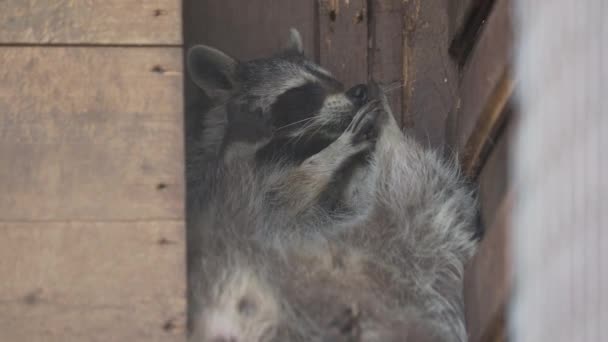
[(114, 22), (249, 29), (488, 280), (494, 177), (92, 281), (485, 89), (343, 39), (385, 55), (431, 77), (459, 12), (91, 134)]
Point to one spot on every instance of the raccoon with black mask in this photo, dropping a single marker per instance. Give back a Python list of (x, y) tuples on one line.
[(312, 217)]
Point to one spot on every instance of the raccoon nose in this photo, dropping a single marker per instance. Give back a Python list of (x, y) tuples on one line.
[(357, 94)]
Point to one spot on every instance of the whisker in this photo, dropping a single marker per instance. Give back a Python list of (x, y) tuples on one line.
[(294, 123)]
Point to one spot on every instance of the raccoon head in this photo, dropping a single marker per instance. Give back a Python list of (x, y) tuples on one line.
[(280, 99)]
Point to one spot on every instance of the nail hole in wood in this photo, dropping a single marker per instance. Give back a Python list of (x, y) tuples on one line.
[(158, 69), (169, 326), (332, 15), (359, 17), (158, 12)]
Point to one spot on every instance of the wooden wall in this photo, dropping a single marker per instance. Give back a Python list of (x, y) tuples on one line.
[(449, 64), (91, 175), (92, 212)]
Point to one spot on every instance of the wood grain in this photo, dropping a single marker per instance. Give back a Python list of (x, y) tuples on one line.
[(431, 77), (91, 134), (386, 50), (115, 22), (488, 279), (343, 39), (486, 81), (496, 112), (459, 12), (494, 177), (92, 281)]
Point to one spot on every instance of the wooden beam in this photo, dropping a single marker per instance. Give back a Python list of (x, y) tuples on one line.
[(114, 22)]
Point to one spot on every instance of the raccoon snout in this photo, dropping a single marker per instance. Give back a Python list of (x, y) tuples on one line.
[(357, 95)]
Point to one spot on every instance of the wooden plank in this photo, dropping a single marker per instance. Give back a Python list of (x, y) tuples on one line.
[(431, 77), (93, 281), (459, 12), (91, 133), (249, 29), (472, 23), (488, 280), (386, 50), (343, 39), (153, 22), (486, 86), (490, 120), (494, 176)]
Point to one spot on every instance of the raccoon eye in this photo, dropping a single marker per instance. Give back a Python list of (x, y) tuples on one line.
[(298, 104)]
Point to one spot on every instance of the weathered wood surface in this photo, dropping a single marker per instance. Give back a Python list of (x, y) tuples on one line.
[(488, 280), (91, 134), (431, 77), (249, 29), (494, 178), (343, 40), (486, 84), (385, 56), (92, 281), (459, 12), (114, 22)]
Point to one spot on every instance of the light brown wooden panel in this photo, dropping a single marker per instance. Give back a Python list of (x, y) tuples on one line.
[(155, 22), (91, 134), (343, 40), (488, 280), (485, 89), (76, 281), (431, 77)]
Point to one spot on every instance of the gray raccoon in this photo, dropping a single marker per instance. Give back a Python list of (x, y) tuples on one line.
[(312, 217)]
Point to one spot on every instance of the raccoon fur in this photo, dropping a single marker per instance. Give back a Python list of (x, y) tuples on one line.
[(312, 217)]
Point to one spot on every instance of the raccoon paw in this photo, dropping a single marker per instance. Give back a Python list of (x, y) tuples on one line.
[(366, 125), (345, 326)]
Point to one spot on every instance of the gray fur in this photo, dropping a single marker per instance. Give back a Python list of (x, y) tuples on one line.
[(363, 240)]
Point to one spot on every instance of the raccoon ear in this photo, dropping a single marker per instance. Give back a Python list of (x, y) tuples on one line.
[(294, 44), (212, 70)]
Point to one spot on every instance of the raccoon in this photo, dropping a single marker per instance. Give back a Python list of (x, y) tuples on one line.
[(312, 217)]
